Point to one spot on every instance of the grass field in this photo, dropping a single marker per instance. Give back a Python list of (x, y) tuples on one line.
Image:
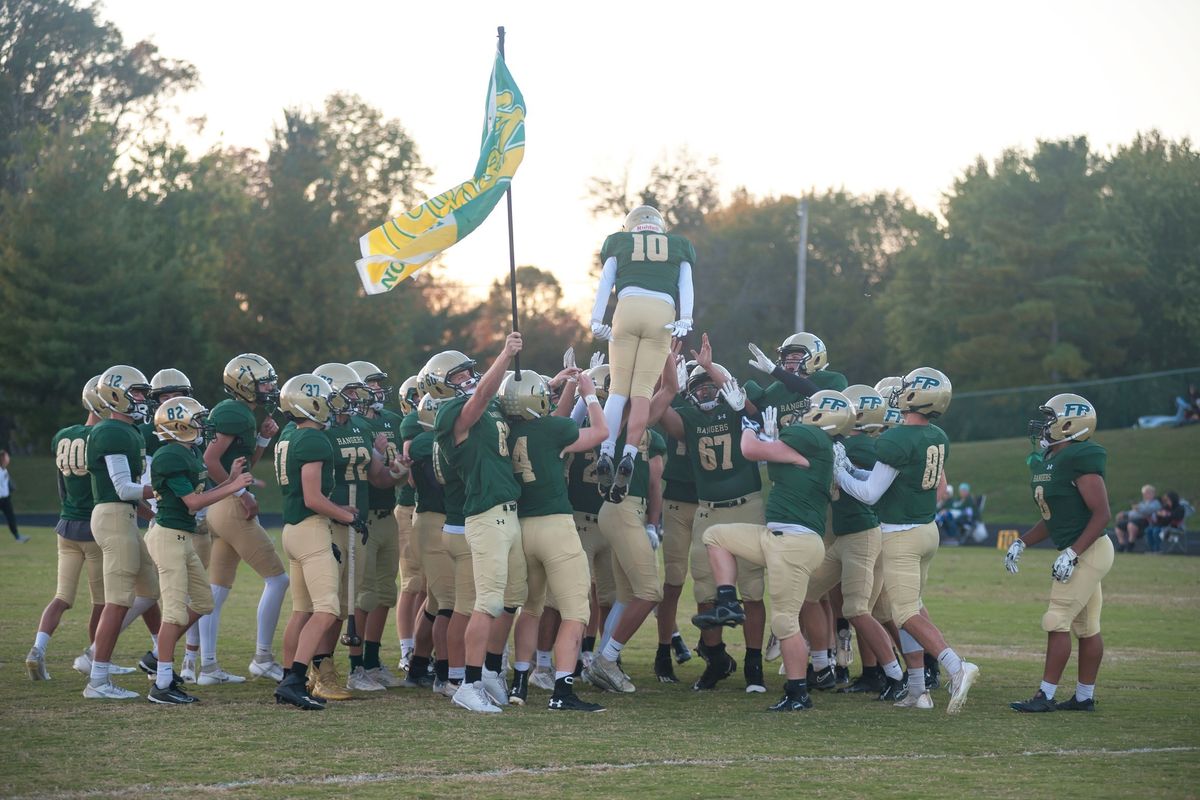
[(663, 741), (1164, 457)]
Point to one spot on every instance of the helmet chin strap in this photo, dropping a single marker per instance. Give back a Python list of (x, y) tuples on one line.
[(1048, 443), (708, 405)]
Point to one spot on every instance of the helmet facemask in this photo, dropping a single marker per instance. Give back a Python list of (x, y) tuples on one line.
[(704, 393), (463, 386), (794, 360)]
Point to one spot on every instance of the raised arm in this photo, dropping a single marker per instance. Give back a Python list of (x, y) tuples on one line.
[(597, 432), (486, 389)]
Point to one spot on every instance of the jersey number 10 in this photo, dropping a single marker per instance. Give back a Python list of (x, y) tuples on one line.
[(649, 247)]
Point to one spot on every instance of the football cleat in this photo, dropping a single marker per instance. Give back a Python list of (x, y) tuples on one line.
[(520, 688), (604, 474), (115, 669), (171, 696), (425, 681), (922, 701), (107, 691), (933, 675), (800, 702), (473, 697), (842, 674), (864, 684), (727, 613), (448, 689), (682, 653), (406, 654), (571, 702), (664, 670), (620, 485), (845, 651), (773, 650), (714, 674), (753, 673), (543, 678), (495, 686), (960, 684), (213, 676), (35, 665), (325, 683), (1075, 704), (270, 669), (702, 651), (825, 679), (360, 681), (606, 675), (149, 664), (894, 690), (83, 664), (291, 691), (188, 671), (384, 677), (1037, 704)]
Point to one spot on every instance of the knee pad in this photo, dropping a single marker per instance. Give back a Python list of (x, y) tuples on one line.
[(511, 609), (784, 625), (430, 617), (445, 612), (1056, 621)]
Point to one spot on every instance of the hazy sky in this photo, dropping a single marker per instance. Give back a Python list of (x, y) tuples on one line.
[(788, 96)]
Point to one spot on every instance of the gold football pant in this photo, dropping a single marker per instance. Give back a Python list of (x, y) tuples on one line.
[(72, 557), (750, 575), (313, 570), (412, 574), (850, 559), (380, 562), (599, 556), (639, 346), (459, 553), (1075, 605), (235, 539), (498, 559), (555, 560), (678, 519), (635, 567), (436, 564), (128, 569), (182, 581), (906, 558)]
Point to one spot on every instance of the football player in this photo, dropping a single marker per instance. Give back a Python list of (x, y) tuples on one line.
[(652, 271), (473, 435), (412, 577), (179, 485), (904, 484), (555, 561), (789, 545), (237, 536), (729, 488), (115, 458), (1067, 479)]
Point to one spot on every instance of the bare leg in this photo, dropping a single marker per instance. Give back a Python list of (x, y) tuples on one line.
[(1091, 652), (526, 637), (53, 615), (315, 635), (1058, 653), (291, 636), (639, 415), (668, 609), (795, 656)]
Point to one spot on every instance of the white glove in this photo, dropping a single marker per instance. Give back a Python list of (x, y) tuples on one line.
[(734, 395), (1064, 565), (760, 361), (654, 536), (600, 330), (1013, 556), (596, 360), (679, 328), (569, 358), (840, 461), (770, 429), (681, 374)]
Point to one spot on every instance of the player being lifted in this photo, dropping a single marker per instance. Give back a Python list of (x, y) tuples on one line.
[(652, 271)]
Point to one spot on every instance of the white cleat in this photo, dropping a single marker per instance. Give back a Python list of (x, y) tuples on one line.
[(587, 657), (35, 665), (359, 681), (496, 687), (922, 701), (188, 672), (217, 676), (447, 689), (773, 650), (384, 677), (782, 669), (83, 664), (406, 654), (272, 669), (605, 674), (542, 678), (108, 691), (473, 697), (960, 684), (117, 669)]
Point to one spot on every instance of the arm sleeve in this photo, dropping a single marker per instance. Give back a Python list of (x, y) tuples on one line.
[(873, 488), (607, 278), (794, 383), (579, 412), (118, 473), (686, 297)]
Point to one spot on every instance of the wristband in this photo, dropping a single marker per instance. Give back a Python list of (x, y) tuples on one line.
[(591, 400), (240, 492), (263, 441), (379, 455)]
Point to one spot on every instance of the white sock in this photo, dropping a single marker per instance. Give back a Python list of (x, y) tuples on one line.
[(909, 644), (99, 673), (950, 660), (630, 450), (610, 624), (560, 674), (614, 406), (892, 670), (457, 674), (41, 641), (820, 659), (189, 657), (543, 659), (612, 650), (193, 638), (154, 644), (406, 645), (521, 666), (139, 607), (1049, 689), (274, 588), (208, 626), (165, 672), (916, 681), (1085, 691)]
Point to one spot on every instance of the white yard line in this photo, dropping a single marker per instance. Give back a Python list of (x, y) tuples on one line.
[(558, 769)]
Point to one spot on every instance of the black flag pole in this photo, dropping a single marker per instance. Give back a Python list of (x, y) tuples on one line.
[(512, 253)]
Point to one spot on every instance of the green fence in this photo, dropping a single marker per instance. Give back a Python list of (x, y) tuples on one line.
[(1004, 413)]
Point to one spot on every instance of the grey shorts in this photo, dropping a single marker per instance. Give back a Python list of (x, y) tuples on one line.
[(75, 530)]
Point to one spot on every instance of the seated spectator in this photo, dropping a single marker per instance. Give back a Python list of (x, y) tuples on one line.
[(1169, 516), (956, 516), (1187, 410), (1132, 524)]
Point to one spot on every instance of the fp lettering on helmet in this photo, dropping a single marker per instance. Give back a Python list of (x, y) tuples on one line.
[(832, 403), (926, 382), (868, 402), (1076, 409)]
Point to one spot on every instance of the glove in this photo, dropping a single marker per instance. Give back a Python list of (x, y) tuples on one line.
[(359, 524), (681, 374), (840, 461), (734, 395), (770, 428), (597, 359), (337, 553), (1064, 565), (569, 358), (1013, 556), (751, 425), (653, 535), (679, 328), (600, 330), (760, 361)]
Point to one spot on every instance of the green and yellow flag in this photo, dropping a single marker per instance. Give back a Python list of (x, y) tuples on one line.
[(401, 246)]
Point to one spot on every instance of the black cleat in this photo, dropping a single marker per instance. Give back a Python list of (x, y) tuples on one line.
[(291, 691), (933, 677), (682, 653), (571, 702), (753, 672), (702, 651), (171, 696), (620, 484), (801, 702), (713, 675), (519, 689), (664, 669), (1039, 703), (148, 664), (894, 690), (1075, 704), (842, 674), (824, 680), (604, 474), (727, 613), (864, 684)]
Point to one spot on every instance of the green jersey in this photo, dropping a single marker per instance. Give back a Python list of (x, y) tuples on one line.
[(176, 472), (679, 485), (351, 462), (537, 461), (235, 418), (70, 456), (851, 515), (582, 489), (296, 447), (918, 453), (429, 494), (454, 488), (714, 447), (482, 459), (114, 438), (410, 428), (1053, 478), (789, 404), (648, 260), (387, 423), (800, 495)]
